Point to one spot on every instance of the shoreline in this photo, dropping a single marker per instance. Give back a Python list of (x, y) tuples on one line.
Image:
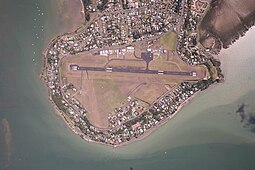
[(60, 33), (140, 138), (57, 112), (153, 129), (70, 124), (157, 127), (223, 39)]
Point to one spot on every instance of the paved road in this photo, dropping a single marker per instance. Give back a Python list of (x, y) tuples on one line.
[(123, 70)]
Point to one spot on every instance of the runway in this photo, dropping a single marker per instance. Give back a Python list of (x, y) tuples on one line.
[(124, 70)]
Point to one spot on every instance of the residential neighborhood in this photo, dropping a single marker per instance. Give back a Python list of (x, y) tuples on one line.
[(116, 30)]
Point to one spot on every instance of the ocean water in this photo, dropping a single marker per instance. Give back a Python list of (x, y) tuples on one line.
[(206, 134)]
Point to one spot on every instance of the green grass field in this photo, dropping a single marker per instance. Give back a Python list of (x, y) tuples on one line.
[(169, 40)]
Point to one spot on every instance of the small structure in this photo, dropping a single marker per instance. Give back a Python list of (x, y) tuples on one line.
[(130, 49), (134, 126), (74, 67)]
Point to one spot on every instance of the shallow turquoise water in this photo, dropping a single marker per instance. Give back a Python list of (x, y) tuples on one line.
[(207, 134)]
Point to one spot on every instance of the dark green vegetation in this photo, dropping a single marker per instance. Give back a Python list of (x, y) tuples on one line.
[(86, 3), (190, 24), (57, 99), (102, 6), (211, 65), (217, 65)]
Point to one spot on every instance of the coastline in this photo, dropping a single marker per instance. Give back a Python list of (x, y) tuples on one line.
[(157, 127), (140, 138), (206, 132), (70, 27), (70, 125), (223, 38)]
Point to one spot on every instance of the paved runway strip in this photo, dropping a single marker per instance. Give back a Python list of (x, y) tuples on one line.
[(124, 70)]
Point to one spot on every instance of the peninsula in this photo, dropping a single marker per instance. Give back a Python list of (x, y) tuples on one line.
[(129, 68)]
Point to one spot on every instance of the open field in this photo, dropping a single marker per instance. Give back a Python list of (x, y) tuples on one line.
[(101, 96), (100, 92), (86, 60), (149, 92), (131, 64), (164, 62), (169, 40)]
